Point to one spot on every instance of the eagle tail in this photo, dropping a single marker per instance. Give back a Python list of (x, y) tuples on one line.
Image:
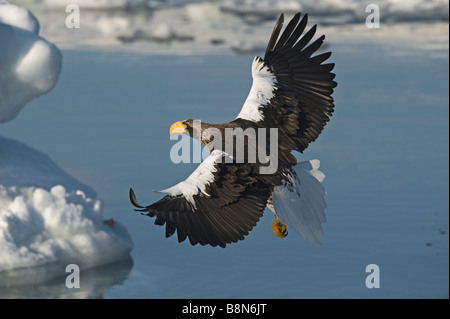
[(300, 202)]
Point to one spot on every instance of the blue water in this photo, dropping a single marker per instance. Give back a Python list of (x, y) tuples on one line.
[(385, 153)]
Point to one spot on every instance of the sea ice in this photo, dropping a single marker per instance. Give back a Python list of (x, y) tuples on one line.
[(48, 217), (29, 64)]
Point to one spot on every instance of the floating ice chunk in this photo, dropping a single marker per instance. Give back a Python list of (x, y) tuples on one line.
[(17, 16), (261, 6), (23, 166), (163, 32), (29, 65), (392, 10), (49, 218), (39, 227), (98, 4)]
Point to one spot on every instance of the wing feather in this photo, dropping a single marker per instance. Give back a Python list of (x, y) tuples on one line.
[(296, 34), (292, 89), (286, 34), (235, 203), (275, 33)]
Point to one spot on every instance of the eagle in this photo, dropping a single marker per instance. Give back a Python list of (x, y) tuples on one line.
[(289, 104)]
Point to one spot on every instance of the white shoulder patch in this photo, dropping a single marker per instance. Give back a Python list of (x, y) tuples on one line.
[(261, 92), (196, 183)]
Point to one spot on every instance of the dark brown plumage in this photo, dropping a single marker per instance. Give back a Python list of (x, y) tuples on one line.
[(293, 92)]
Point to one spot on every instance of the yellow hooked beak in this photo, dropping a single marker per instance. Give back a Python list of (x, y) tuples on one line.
[(177, 127)]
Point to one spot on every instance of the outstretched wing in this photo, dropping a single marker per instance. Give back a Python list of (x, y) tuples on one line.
[(292, 90), (218, 204)]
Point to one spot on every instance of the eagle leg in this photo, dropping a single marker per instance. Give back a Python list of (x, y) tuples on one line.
[(279, 229)]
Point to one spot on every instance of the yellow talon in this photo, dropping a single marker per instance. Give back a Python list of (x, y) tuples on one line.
[(279, 229)]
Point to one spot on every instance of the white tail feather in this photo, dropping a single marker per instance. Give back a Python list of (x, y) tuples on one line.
[(302, 206)]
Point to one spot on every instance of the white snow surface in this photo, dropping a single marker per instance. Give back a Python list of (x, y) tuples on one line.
[(94, 4), (29, 64), (48, 217), (395, 10), (191, 27), (18, 16)]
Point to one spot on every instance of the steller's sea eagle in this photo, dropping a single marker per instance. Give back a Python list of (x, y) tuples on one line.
[(223, 199)]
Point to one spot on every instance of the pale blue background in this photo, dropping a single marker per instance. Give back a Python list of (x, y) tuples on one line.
[(385, 155)]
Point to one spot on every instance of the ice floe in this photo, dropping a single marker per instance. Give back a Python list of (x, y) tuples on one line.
[(47, 217), (29, 64)]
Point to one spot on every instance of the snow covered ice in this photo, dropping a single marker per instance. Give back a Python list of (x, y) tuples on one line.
[(186, 27), (395, 10), (29, 64), (47, 217)]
